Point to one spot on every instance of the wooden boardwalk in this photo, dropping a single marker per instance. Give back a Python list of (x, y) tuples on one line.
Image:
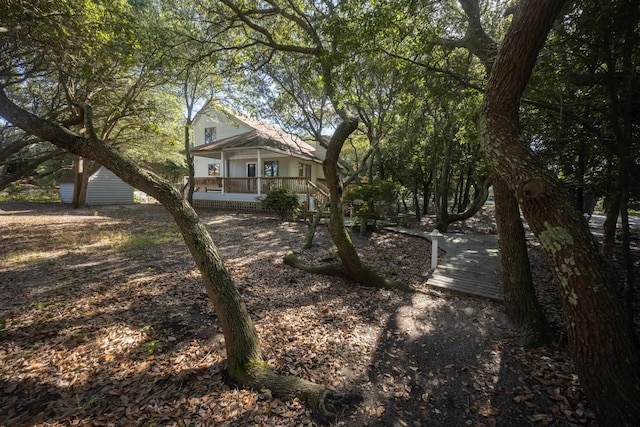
[(470, 264)]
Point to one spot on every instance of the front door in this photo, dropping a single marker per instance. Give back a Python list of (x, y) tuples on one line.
[(251, 174)]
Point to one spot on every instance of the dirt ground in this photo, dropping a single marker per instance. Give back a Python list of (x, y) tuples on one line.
[(104, 321)]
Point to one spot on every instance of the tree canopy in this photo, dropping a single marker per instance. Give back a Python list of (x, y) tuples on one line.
[(416, 93)]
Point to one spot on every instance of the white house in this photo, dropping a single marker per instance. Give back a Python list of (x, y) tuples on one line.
[(238, 160), (104, 188)]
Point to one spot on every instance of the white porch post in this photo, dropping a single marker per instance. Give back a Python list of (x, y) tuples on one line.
[(259, 171), (223, 172), (435, 235)]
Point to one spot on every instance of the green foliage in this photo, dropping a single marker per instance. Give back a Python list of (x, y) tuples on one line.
[(151, 347), (19, 193), (371, 198), (284, 201)]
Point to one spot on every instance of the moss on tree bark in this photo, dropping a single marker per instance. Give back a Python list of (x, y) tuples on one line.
[(601, 338)]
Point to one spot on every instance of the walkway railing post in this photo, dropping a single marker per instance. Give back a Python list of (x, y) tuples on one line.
[(435, 235)]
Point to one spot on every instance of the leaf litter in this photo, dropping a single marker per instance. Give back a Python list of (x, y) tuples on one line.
[(103, 328)]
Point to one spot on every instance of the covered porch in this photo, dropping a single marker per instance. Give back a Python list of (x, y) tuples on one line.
[(255, 185), (244, 193)]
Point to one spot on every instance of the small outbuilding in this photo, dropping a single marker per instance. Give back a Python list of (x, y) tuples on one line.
[(104, 188)]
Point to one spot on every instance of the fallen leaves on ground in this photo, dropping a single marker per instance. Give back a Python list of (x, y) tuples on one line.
[(103, 327)]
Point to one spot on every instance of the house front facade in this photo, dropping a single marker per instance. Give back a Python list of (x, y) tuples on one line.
[(238, 160)]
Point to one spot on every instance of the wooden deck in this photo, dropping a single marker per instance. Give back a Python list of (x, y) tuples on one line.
[(470, 264)]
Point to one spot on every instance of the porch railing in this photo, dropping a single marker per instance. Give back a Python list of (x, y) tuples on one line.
[(250, 185)]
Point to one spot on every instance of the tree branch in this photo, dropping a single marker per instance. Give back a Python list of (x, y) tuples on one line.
[(270, 41)]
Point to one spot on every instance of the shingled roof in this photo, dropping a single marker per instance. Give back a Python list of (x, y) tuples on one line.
[(264, 136)]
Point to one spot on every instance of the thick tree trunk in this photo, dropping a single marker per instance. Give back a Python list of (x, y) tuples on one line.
[(520, 301), (601, 339), (245, 362), (80, 182), (516, 269)]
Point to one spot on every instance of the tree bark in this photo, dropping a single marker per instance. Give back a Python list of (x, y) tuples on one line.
[(246, 365), (352, 266), (426, 194), (601, 339), (79, 186), (520, 301), (516, 272)]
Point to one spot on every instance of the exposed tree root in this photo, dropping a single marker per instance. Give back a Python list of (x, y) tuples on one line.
[(320, 399), (291, 259), (368, 277)]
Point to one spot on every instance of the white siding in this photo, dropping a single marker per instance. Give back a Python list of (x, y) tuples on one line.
[(201, 165), (225, 126), (105, 188), (238, 168), (321, 152), (66, 192), (286, 166)]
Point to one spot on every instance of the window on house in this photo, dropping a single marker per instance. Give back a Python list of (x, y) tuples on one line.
[(210, 135), (271, 168), (214, 169), (304, 170)]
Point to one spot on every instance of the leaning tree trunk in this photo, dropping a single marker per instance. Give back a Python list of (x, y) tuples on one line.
[(516, 272), (601, 339), (351, 263), (246, 364), (520, 301)]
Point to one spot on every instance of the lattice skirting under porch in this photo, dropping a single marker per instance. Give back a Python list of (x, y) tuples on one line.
[(228, 205)]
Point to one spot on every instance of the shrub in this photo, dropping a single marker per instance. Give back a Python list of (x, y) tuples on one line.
[(370, 198), (284, 201), (22, 193)]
